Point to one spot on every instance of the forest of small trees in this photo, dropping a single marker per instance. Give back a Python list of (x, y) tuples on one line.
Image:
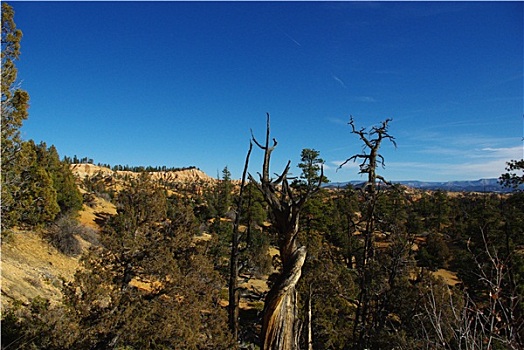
[(354, 269), (120, 167)]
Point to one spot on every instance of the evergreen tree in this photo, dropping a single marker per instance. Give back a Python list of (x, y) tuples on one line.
[(341, 226), (225, 188), (36, 200), (254, 257), (327, 288), (142, 203), (311, 166), (512, 178), (150, 287), (435, 254), (14, 100), (15, 103), (253, 210), (69, 198)]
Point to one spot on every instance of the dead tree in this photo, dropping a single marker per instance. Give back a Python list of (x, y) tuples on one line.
[(371, 160), (279, 324), (233, 311), (491, 322), (372, 141)]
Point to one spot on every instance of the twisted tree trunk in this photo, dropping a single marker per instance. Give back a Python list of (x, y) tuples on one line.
[(279, 327), (280, 321)]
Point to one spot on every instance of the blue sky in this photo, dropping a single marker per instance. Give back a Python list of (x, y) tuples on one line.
[(182, 83)]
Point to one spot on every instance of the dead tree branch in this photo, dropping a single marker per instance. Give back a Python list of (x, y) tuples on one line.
[(279, 327)]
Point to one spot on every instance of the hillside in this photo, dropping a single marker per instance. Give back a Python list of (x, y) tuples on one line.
[(181, 176), (31, 267)]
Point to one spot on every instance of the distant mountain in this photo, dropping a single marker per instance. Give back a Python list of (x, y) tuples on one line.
[(482, 185)]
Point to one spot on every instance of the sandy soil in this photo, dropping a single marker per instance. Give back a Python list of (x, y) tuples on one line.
[(31, 268), (449, 277), (94, 215)]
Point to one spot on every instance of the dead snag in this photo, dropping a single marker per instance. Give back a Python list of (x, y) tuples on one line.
[(233, 311), (279, 324), (372, 140)]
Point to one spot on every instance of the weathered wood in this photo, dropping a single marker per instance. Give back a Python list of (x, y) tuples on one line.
[(233, 311), (279, 325), (372, 141), (309, 321), (280, 309)]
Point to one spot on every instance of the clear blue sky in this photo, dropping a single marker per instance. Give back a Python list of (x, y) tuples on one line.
[(182, 83)]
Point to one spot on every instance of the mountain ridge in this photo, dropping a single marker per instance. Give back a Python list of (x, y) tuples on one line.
[(480, 185), (195, 175), (83, 170)]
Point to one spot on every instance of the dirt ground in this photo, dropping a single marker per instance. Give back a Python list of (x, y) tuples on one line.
[(449, 277), (31, 268)]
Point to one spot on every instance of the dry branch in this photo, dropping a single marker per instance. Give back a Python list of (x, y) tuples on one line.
[(280, 321)]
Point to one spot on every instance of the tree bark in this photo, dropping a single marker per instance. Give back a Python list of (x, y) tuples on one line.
[(233, 311), (280, 320), (279, 329), (309, 321)]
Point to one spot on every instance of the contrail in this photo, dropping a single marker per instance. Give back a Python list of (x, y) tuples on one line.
[(339, 80), (290, 38)]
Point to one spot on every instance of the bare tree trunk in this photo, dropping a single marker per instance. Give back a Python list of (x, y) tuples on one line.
[(372, 141), (280, 321), (234, 297), (279, 324), (309, 321), (280, 309)]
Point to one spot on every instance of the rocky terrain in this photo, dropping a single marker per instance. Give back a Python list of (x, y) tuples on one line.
[(183, 176)]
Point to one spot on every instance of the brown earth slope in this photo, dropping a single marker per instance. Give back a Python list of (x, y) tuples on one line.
[(31, 268)]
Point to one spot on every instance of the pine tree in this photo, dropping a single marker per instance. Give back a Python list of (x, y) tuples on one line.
[(150, 286), (224, 193), (512, 178), (15, 103), (14, 100), (36, 200), (69, 198), (311, 164)]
